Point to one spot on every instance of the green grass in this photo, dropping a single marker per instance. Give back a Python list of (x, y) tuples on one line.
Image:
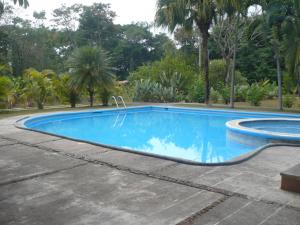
[(267, 105), (9, 113)]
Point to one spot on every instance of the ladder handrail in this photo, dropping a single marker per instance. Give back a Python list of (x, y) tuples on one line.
[(121, 98), (114, 98)]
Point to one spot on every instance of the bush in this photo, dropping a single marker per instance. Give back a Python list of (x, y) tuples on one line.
[(105, 94), (255, 94), (37, 87), (197, 93), (288, 101), (225, 94), (271, 89), (170, 71), (288, 83), (217, 74), (5, 88), (149, 91), (241, 93), (214, 96)]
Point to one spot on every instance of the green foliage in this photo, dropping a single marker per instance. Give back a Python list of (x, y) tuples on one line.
[(37, 87), (288, 83), (5, 90), (241, 93), (64, 90), (288, 100), (225, 94), (90, 69), (105, 94), (291, 42), (217, 75), (255, 94), (271, 89), (170, 71), (149, 91), (5, 70), (214, 96), (96, 26), (196, 93)]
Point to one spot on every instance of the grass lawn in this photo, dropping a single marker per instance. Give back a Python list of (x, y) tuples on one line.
[(266, 105)]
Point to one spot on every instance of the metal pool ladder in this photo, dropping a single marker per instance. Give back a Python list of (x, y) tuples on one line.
[(116, 101)]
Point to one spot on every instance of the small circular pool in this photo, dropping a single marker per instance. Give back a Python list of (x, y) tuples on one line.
[(267, 129)]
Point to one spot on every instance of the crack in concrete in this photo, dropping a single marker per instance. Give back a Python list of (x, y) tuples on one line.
[(37, 175), (192, 218), (5, 145), (153, 175)]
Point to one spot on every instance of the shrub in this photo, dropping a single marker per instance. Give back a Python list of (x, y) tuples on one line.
[(288, 83), (149, 91), (5, 88), (241, 93), (214, 96), (218, 76), (288, 100), (64, 90), (271, 89), (196, 93), (37, 87), (225, 94), (255, 94), (105, 94), (170, 71)]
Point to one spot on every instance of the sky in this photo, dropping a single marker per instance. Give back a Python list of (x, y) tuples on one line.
[(127, 11)]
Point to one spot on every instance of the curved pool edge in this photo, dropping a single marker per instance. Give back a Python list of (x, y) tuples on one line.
[(236, 127), (240, 159)]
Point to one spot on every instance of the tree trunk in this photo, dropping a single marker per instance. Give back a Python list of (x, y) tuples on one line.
[(227, 64), (298, 82), (200, 55), (73, 99), (40, 105), (205, 36), (279, 81), (232, 85), (91, 94)]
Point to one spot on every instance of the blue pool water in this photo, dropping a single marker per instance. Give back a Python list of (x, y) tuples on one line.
[(196, 135), (290, 127)]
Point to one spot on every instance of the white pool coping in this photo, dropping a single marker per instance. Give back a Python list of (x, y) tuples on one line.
[(238, 127)]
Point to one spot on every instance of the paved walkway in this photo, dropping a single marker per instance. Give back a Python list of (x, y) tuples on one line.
[(49, 180)]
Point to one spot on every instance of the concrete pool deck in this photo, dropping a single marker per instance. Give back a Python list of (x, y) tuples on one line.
[(50, 180)]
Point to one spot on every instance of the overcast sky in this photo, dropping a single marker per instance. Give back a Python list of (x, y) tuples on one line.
[(127, 10)]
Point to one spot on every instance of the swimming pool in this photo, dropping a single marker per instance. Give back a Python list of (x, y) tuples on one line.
[(197, 136)]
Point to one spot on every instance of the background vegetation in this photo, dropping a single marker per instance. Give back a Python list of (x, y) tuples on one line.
[(221, 53)]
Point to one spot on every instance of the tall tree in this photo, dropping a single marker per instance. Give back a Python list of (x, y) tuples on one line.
[(90, 68), (186, 13), (230, 32), (292, 42), (276, 12), (96, 26)]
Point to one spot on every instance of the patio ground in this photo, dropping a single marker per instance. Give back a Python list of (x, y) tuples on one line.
[(49, 180)]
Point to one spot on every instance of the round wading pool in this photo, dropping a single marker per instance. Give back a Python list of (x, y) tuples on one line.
[(194, 136), (267, 130)]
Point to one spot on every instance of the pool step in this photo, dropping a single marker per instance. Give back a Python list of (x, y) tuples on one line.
[(290, 179)]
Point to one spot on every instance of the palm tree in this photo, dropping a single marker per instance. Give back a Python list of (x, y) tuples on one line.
[(229, 11), (23, 3), (292, 42), (271, 23), (276, 13), (90, 68), (186, 13)]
